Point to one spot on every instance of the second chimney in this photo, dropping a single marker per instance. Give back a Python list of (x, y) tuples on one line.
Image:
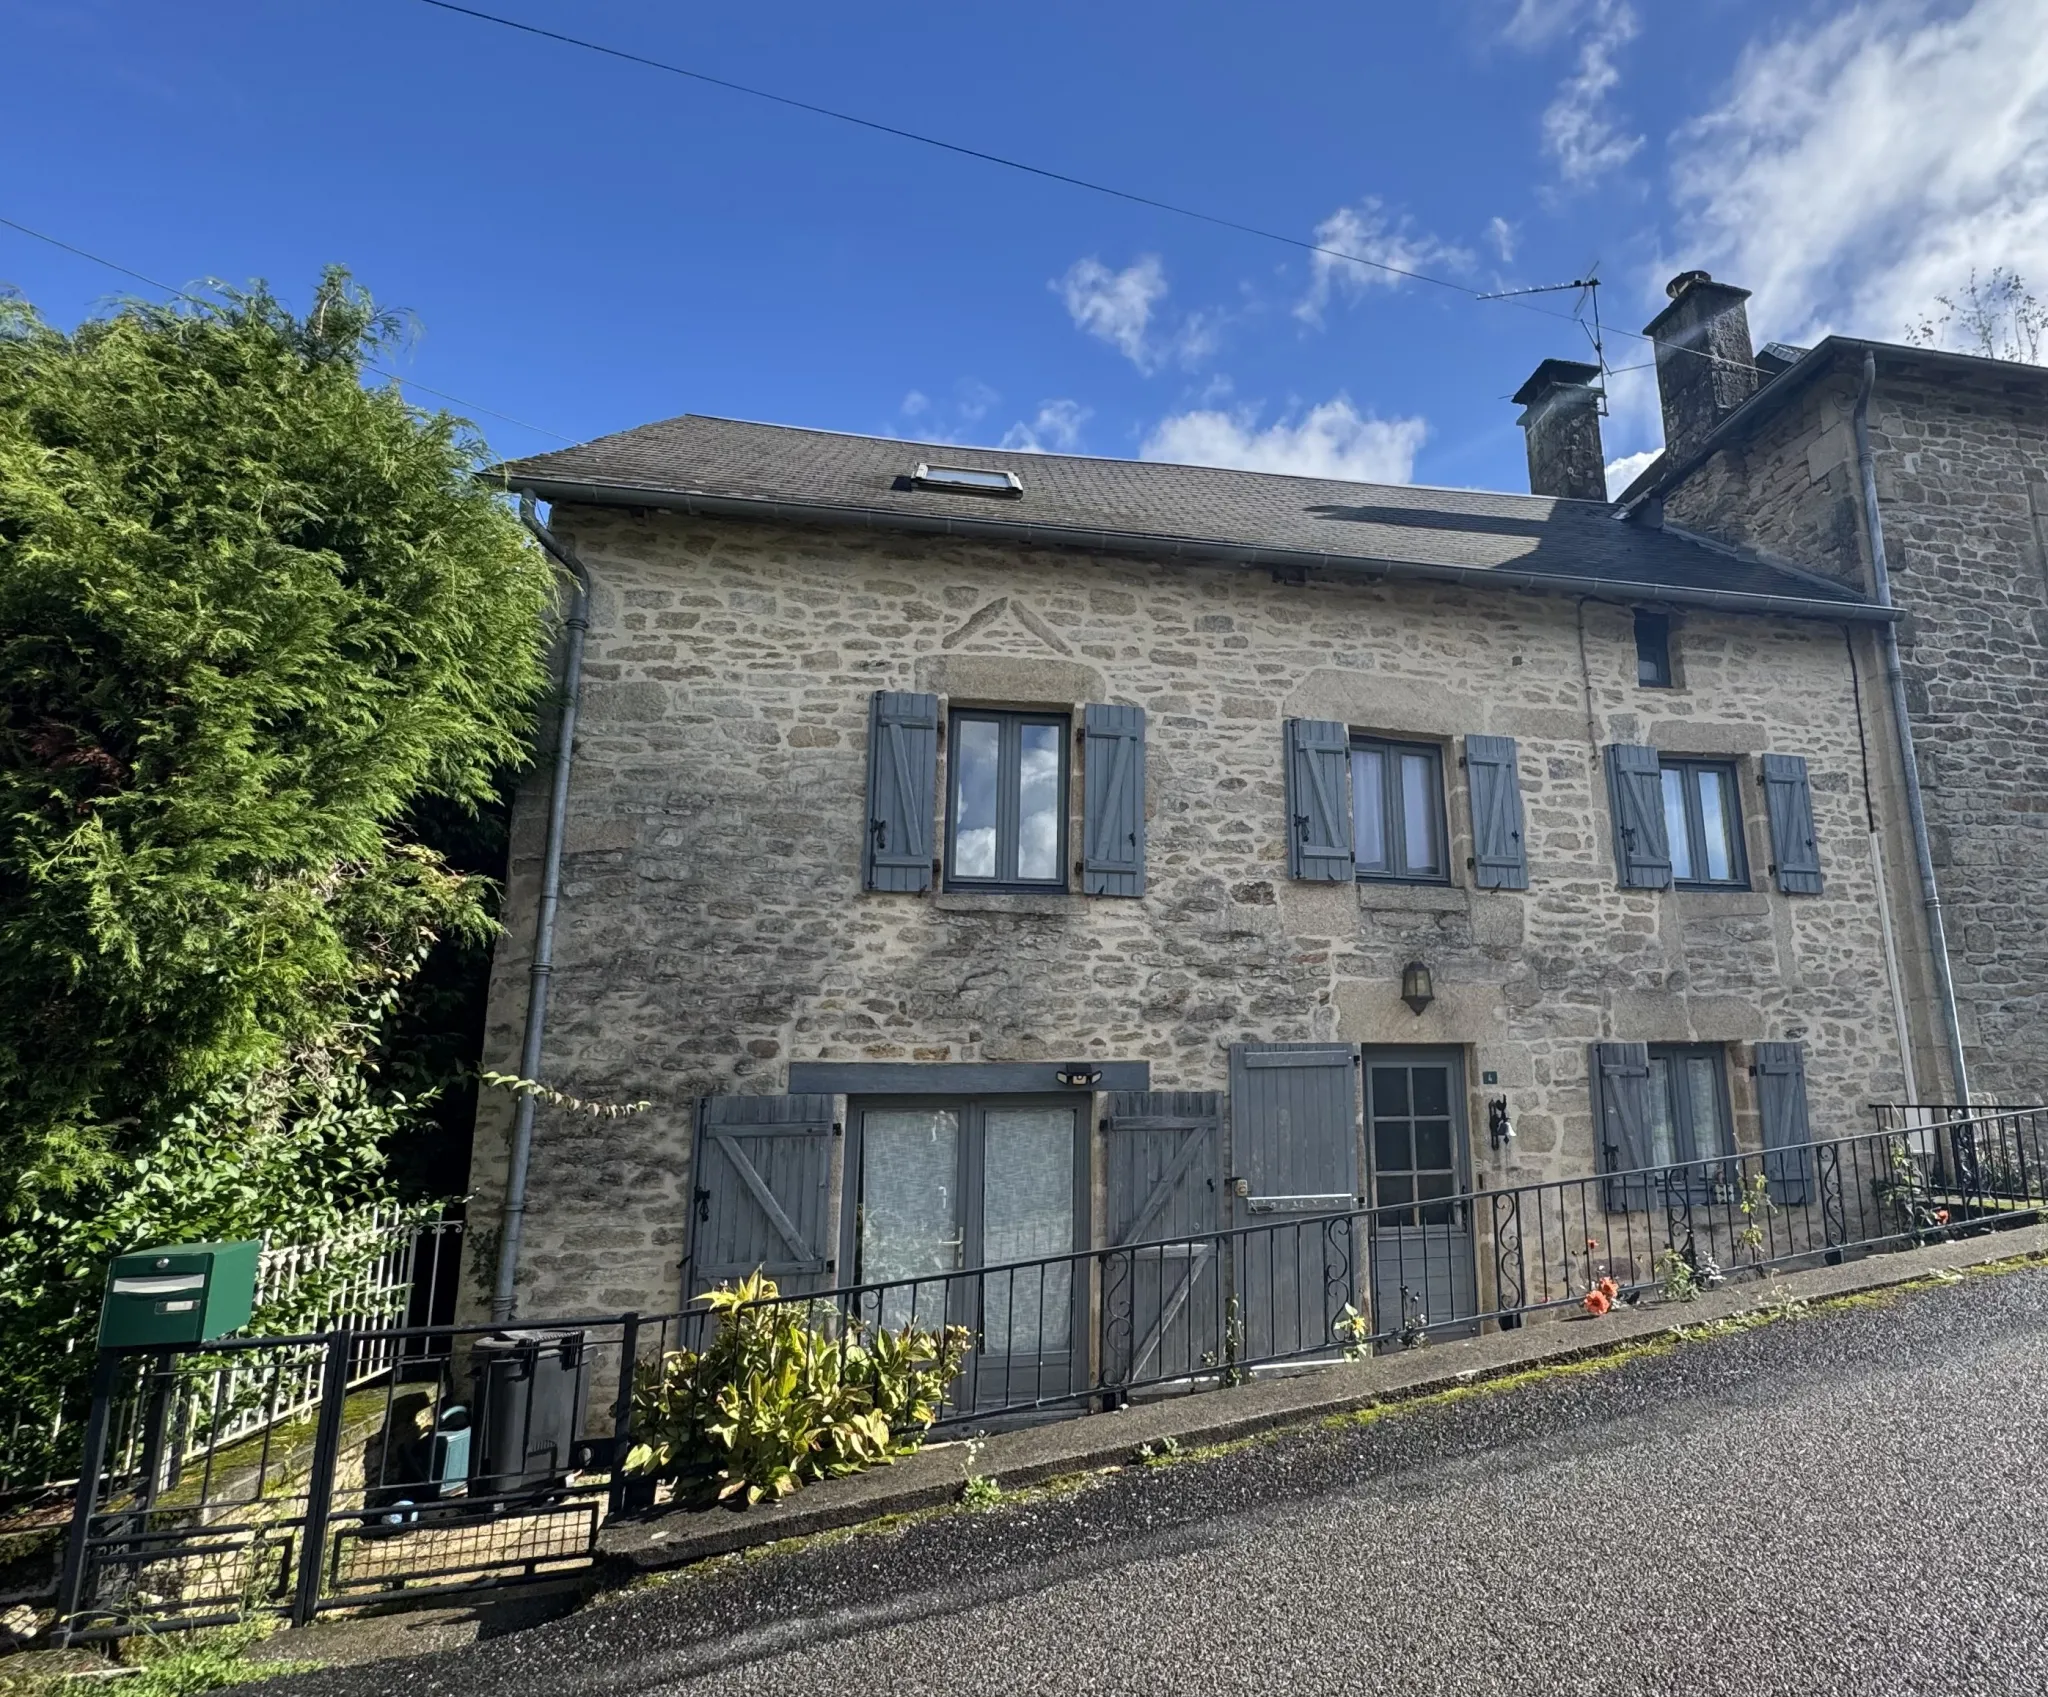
[(1705, 365), (1561, 417)]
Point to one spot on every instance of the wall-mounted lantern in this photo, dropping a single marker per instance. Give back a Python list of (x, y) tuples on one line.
[(1416, 989), (1498, 1126)]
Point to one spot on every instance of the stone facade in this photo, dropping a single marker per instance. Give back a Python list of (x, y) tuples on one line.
[(713, 927), (1962, 467)]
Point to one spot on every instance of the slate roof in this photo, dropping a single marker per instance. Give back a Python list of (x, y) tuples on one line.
[(724, 466)]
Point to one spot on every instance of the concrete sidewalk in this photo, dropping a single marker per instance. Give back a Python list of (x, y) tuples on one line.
[(935, 1476)]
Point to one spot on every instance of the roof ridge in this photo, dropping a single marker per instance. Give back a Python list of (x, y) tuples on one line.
[(1054, 454)]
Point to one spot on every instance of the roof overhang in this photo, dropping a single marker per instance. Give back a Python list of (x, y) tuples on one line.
[(1154, 546)]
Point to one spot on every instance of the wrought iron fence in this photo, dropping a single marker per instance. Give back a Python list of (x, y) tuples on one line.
[(476, 1457), (1101, 1326)]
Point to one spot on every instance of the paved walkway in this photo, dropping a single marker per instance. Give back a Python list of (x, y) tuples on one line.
[(1853, 1501)]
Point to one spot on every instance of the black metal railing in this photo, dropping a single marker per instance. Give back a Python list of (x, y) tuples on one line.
[(481, 1457), (1097, 1327)]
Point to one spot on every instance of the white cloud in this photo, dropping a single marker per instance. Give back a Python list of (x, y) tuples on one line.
[(1054, 429), (1120, 308), (914, 403), (1115, 306), (1502, 234), (1858, 166), (1331, 440), (1365, 232), (1625, 470), (1537, 23), (975, 399), (1579, 128)]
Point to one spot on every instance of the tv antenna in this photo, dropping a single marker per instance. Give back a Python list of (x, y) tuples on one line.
[(1588, 288)]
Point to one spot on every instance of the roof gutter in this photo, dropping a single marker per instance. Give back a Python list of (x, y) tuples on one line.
[(1151, 545), (540, 974), (1902, 724)]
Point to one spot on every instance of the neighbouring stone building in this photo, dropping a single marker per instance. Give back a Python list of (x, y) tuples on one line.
[(1761, 453), (942, 819)]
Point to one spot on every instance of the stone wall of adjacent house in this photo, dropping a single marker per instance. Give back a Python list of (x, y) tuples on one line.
[(713, 928), (1962, 471)]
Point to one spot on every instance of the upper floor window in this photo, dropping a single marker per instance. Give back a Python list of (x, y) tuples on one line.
[(1653, 650), (1703, 823), (1006, 801), (1397, 811)]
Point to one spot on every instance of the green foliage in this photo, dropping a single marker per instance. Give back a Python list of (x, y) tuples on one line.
[(255, 621), (512, 1083), (184, 1664), (980, 1492), (780, 1397), (1676, 1276), (1755, 1202)]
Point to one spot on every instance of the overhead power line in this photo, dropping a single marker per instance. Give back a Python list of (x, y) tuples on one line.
[(1005, 161), (961, 149), (201, 300)]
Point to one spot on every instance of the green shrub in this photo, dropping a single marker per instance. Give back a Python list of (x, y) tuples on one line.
[(782, 1396)]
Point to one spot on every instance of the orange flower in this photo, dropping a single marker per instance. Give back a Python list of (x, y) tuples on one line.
[(1608, 1288), (1941, 1216), (1598, 1302)]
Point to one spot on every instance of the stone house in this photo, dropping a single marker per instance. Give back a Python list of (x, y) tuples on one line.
[(1761, 453), (976, 855)]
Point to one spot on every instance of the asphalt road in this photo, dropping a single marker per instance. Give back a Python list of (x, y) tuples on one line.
[(1851, 1501)]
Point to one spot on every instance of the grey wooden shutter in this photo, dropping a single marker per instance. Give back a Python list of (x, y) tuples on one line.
[(1113, 800), (1781, 1100), (1294, 1154), (1789, 802), (1162, 1309), (903, 773), (1620, 1074), (1499, 860), (763, 1177), (1635, 791), (1319, 801)]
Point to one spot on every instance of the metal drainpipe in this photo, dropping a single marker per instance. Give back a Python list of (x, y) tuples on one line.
[(541, 973), (1895, 681)]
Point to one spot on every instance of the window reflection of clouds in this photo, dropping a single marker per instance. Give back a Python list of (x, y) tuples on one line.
[(1038, 836), (1677, 840), (975, 752), (1714, 817)]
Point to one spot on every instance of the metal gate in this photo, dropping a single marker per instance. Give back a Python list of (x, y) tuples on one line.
[(465, 1461), (1294, 1151)]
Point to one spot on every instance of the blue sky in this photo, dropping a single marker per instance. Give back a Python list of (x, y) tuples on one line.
[(588, 245)]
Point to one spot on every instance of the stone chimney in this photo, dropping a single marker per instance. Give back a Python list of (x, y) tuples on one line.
[(1561, 417), (1705, 367)]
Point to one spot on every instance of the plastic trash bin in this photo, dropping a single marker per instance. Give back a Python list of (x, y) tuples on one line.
[(523, 1421)]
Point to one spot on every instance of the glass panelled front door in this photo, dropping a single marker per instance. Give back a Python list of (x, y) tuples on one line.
[(1423, 1279), (909, 1218), (944, 1188), (1027, 1211)]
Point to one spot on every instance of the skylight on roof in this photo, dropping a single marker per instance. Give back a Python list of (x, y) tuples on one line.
[(968, 480)]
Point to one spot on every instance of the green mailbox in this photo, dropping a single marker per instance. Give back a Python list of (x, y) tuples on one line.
[(187, 1293)]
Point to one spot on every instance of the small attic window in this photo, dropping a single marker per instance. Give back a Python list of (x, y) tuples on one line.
[(968, 480)]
